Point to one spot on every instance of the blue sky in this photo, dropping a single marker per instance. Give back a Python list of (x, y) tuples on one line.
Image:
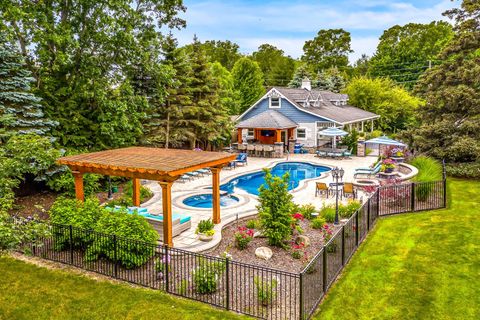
[(287, 24)]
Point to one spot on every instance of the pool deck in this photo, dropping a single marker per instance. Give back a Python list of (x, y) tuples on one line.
[(303, 194)]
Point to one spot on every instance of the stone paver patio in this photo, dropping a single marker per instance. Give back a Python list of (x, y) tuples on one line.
[(304, 194)]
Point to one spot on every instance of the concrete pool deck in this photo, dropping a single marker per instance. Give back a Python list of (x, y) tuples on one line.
[(303, 194)]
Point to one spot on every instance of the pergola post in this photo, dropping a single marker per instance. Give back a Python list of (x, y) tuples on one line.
[(239, 135), (278, 135), (136, 192), (216, 194), (78, 178), (362, 126), (167, 212)]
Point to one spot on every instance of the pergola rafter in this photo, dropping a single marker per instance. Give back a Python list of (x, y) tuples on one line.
[(162, 165)]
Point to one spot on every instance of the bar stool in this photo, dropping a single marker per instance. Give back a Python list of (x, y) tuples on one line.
[(251, 149), (258, 150), (267, 151)]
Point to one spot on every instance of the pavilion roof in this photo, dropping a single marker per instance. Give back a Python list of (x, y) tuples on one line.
[(145, 163)]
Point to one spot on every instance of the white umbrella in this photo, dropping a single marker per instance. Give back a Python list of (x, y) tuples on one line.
[(333, 132)]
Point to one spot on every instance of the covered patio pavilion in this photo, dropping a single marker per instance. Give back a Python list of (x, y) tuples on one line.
[(268, 127), (162, 165)]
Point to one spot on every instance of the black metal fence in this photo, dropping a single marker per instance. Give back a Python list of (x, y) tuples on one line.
[(244, 288)]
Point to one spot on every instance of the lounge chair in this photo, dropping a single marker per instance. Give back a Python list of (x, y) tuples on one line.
[(347, 153), (337, 154), (241, 159), (204, 172), (369, 174), (321, 153), (377, 165), (184, 178), (321, 188), (348, 189)]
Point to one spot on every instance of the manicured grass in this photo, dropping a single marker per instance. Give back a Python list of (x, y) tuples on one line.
[(416, 266), (31, 292)]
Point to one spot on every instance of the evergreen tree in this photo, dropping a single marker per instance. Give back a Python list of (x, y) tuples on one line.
[(20, 110), (300, 74), (206, 118), (163, 126), (229, 97), (451, 117), (248, 80), (330, 80)]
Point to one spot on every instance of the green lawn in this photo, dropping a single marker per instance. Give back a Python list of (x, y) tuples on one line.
[(31, 292), (416, 266)]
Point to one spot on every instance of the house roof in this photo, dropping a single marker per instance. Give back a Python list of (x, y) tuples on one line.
[(269, 119), (145, 163), (319, 103)]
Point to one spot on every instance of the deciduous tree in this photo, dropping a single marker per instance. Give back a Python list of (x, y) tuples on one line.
[(248, 80)]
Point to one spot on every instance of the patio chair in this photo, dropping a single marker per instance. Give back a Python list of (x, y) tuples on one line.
[(321, 188), (321, 153), (377, 165), (258, 150), (204, 171), (251, 149), (338, 154), (184, 178), (348, 190), (193, 174), (347, 153), (242, 159)]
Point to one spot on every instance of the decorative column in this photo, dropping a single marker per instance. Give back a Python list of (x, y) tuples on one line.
[(216, 194), (78, 178), (362, 126), (239, 135), (167, 212), (278, 135), (136, 192)]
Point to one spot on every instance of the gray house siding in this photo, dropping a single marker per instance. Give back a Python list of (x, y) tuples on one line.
[(286, 109)]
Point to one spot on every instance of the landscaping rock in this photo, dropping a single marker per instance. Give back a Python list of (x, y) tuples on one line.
[(302, 239), (264, 253), (258, 234)]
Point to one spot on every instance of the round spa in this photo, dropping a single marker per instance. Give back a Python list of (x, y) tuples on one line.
[(205, 201)]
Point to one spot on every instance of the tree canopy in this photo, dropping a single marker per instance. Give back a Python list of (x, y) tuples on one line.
[(248, 80), (450, 126), (224, 52), (276, 67), (330, 48)]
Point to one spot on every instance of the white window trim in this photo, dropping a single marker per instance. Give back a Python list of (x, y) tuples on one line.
[(296, 133), (270, 103), (248, 133)]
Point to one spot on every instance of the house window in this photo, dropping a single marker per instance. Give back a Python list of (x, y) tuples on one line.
[(325, 124), (251, 133), (301, 133), (274, 102)]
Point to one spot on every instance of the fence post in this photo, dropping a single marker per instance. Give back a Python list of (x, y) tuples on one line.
[(343, 245), (368, 216), (445, 192), (412, 206), (378, 201), (115, 266), (356, 227), (227, 283), (167, 267), (325, 270), (301, 296), (71, 243)]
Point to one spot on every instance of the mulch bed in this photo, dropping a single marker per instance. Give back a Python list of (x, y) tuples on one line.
[(282, 258)]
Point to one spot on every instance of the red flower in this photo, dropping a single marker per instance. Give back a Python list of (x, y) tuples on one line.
[(298, 216)]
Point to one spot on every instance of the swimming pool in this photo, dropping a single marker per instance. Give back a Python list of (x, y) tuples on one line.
[(205, 201), (299, 171)]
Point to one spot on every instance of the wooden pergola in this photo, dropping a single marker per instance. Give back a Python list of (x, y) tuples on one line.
[(162, 165)]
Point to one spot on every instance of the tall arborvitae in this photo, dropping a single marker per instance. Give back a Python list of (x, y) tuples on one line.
[(20, 110), (206, 118), (165, 121)]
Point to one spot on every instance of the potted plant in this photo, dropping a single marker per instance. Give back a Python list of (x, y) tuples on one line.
[(388, 165), (205, 230)]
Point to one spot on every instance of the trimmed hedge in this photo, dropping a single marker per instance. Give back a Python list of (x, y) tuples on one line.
[(470, 170)]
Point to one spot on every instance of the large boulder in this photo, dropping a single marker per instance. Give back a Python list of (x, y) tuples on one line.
[(264, 253), (302, 239)]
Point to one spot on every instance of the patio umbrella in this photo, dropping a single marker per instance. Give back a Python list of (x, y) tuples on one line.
[(333, 132), (386, 141)]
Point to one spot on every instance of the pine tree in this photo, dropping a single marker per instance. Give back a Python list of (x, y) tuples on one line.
[(206, 119), (164, 124), (300, 74), (20, 110)]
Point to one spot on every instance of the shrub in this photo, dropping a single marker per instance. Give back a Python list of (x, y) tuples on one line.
[(135, 251), (298, 250), (266, 290), (145, 193), (78, 214), (307, 210), (64, 183), (328, 213), (205, 227), (243, 236), (317, 223), (347, 210), (275, 209), (205, 276), (253, 224), (464, 170), (429, 169)]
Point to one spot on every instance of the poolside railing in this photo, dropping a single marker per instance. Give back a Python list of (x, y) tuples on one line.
[(249, 289)]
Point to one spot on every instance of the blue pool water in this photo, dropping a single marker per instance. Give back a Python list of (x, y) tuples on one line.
[(205, 201), (252, 181)]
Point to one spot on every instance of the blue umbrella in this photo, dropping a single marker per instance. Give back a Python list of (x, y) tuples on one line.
[(333, 132), (386, 141)]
